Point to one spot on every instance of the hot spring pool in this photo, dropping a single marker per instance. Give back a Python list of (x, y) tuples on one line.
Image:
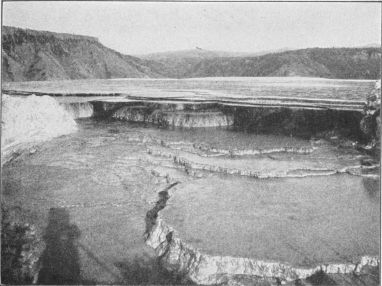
[(88, 193)]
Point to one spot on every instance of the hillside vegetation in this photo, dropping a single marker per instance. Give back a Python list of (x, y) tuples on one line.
[(38, 55)]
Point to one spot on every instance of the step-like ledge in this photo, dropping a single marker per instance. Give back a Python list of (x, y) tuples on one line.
[(180, 257)]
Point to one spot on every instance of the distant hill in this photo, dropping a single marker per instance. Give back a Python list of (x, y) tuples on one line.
[(372, 45), (38, 55), (199, 53), (179, 64), (345, 63)]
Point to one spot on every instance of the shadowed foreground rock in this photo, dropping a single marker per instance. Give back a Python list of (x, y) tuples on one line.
[(21, 249)]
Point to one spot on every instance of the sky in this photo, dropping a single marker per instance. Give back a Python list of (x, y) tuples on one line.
[(148, 27)]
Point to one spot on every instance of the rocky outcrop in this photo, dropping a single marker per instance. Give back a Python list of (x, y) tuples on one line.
[(371, 122), (374, 99), (21, 248), (201, 268)]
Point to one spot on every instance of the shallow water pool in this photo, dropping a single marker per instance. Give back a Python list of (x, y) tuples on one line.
[(88, 193)]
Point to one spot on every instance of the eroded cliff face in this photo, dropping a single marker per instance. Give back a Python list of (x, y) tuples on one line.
[(202, 268), (371, 121)]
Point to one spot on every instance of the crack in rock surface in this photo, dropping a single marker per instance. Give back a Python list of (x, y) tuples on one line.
[(178, 253), (105, 177)]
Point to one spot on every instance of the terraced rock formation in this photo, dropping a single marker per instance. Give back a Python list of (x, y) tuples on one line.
[(184, 119), (202, 268), (122, 166), (232, 204)]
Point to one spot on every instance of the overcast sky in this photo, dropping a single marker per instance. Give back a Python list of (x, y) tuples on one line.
[(145, 27)]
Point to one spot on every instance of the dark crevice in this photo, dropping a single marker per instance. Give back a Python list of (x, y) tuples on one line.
[(152, 214)]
